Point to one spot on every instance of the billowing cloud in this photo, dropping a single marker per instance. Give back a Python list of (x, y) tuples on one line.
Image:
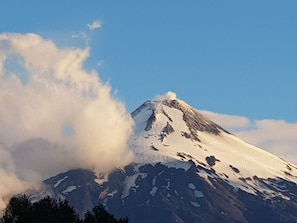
[(54, 115), (275, 136), (95, 25)]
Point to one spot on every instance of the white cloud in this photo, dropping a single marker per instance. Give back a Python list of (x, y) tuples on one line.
[(95, 25), (228, 121), (167, 96), (57, 94), (275, 136)]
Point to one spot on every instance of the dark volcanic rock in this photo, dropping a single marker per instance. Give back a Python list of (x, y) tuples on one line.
[(150, 122), (157, 194), (211, 160), (168, 129)]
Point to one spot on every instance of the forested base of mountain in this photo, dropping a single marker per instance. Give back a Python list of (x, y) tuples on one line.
[(48, 210)]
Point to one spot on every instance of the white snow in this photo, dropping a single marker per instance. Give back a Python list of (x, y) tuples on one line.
[(168, 184), (195, 204), (176, 193), (60, 181), (237, 159), (154, 180), (153, 191), (130, 183), (198, 193), (192, 186), (111, 194), (101, 179), (69, 189)]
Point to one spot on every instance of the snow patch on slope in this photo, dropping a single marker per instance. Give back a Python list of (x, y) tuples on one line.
[(69, 189), (60, 181), (154, 191), (130, 183)]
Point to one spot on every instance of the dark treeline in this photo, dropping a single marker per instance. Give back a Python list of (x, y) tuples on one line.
[(48, 210)]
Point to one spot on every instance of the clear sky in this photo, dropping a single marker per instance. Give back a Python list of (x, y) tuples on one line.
[(235, 57)]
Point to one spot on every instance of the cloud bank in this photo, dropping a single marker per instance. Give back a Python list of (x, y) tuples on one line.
[(54, 115), (275, 136)]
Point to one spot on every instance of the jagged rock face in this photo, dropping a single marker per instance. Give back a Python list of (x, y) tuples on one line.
[(186, 169)]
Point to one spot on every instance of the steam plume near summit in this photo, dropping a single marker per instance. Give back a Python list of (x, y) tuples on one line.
[(54, 115)]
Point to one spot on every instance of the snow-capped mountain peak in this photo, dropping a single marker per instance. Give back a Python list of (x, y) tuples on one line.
[(172, 132), (193, 119)]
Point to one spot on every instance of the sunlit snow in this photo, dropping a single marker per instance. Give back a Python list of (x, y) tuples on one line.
[(233, 159)]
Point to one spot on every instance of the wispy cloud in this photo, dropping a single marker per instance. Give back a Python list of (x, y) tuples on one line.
[(81, 35), (100, 63), (95, 25), (276, 136), (81, 38)]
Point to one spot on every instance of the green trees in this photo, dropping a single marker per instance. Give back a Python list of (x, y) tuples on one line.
[(49, 210), (19, 209), (99, 214), (46, 210)]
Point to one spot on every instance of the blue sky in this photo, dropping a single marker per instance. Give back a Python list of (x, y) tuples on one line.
[(232, 57)]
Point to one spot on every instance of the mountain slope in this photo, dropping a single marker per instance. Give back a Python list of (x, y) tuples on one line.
[(186, 169), (175, 131)]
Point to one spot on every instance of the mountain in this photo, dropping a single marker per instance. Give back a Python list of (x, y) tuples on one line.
[(186, 169)]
